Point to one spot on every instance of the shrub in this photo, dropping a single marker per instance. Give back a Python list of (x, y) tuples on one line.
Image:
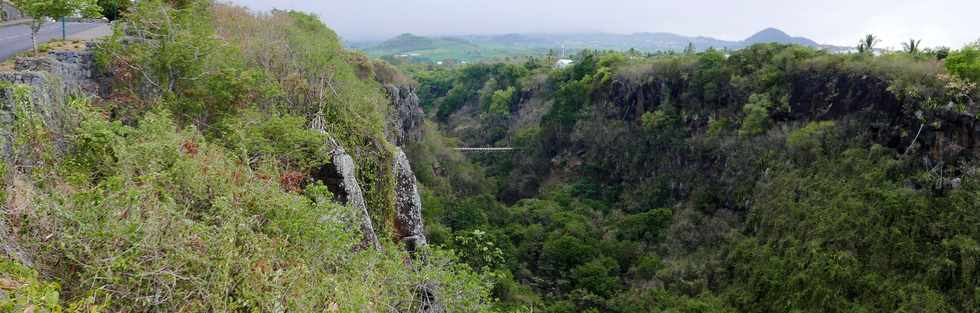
[(965, 63), (812, 138), (756, 120), (283, 138), (166, 229), (500, 102)]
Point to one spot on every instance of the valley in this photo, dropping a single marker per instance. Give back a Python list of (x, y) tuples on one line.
[(230, 157)]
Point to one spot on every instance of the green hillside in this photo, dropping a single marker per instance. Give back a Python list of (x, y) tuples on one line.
[(477, 48), (430, 50), (194, 182)]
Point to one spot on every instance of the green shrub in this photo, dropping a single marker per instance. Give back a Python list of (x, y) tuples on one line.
[(720, 126), (179, 227), (648, 266), (24, 292), (500, 102), (965, 63), (811, 138), (599, 276), (283, 138), (756, 120)]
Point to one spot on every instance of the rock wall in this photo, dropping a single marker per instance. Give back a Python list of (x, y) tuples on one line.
[(406, 118), (409, 226), (408, 205), (75, 69), (51, 79), (342, 180)]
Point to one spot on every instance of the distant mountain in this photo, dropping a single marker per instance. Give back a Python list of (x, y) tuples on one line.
[(483, 47), (406, 43), (774, 35)]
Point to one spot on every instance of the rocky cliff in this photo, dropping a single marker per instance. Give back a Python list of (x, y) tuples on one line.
[(405, 120), (408, 204), (342, 180)]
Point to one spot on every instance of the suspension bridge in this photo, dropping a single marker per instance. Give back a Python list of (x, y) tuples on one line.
[(487, 149)]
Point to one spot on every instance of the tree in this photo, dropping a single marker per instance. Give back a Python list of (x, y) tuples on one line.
[(690, 49), (114, 9), (965, 63), (868, 43), (42, 10), (500, 102), (912, 47)]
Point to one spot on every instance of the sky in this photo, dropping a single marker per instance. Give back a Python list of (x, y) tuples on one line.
[(951, 23)]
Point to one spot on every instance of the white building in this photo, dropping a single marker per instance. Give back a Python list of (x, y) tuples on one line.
[(563, 63)]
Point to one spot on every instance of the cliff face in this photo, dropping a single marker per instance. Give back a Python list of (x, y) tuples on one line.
[(408, 204), (404, 127), (343, 182), (405, 120)]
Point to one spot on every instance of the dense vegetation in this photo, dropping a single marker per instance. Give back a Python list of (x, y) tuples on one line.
[(776, 178), (192, 185)]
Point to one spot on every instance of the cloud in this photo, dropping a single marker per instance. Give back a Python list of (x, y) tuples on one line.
[(942, 22)]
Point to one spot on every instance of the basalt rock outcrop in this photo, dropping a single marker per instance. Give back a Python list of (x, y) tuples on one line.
[(405, 121), (340, 177), (75, 69), (408, 204), (49, 81)]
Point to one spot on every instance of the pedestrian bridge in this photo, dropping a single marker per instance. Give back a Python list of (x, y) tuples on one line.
[(489, 149)]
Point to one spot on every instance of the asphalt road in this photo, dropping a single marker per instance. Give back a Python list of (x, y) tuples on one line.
[(17, 38)]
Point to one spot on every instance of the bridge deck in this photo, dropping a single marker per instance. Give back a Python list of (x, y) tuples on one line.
[(485, 149)]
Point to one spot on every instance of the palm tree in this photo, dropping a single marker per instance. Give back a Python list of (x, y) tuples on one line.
[(690, 49), (913, 46), (868, 43)]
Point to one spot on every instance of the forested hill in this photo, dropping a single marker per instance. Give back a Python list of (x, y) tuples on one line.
[(475, 48), (778, 178)]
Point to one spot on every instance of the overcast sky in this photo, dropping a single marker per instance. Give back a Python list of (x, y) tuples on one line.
[(938, 22)]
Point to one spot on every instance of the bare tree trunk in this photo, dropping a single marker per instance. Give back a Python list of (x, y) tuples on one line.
[(35, 28), (34, 40)]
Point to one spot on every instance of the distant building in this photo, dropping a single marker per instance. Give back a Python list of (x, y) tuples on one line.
[(563, 63)]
